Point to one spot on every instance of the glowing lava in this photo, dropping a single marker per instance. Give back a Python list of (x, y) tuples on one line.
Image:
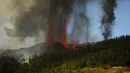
[(64, 36)]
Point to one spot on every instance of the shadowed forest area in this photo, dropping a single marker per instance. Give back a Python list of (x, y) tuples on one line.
[(104, 54)]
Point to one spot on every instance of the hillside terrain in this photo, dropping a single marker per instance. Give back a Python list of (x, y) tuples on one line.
[(108, 56)]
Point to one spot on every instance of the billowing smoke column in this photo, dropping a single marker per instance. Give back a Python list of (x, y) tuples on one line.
[(55, 26), (108, 17), (28, 20), (59, 14), (49, 16)]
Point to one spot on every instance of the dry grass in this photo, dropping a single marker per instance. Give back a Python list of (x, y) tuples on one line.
[(118, 69), (101, 70)]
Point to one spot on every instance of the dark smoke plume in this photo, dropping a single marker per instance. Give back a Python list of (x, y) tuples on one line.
[(53, 27), (28, 21), (108, 17), (40, 16), (49, 16)]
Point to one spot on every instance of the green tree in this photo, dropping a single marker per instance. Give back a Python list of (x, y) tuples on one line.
[(8, 64)]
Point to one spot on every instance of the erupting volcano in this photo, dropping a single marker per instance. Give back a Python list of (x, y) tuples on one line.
[(51, 17), (63, 40)]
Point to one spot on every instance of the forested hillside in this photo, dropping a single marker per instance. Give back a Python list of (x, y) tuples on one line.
[(105, 54)]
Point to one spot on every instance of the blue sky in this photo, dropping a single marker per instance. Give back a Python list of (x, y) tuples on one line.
[(121, 26), (122, 22)]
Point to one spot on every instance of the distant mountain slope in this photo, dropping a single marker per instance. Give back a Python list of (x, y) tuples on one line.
[(24, 52), (36, 49)]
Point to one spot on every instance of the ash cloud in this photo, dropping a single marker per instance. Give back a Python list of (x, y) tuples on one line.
[(28, 20), (41, 15)]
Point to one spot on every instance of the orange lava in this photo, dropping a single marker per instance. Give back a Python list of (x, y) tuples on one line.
[(64, 35), (74, 45)]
